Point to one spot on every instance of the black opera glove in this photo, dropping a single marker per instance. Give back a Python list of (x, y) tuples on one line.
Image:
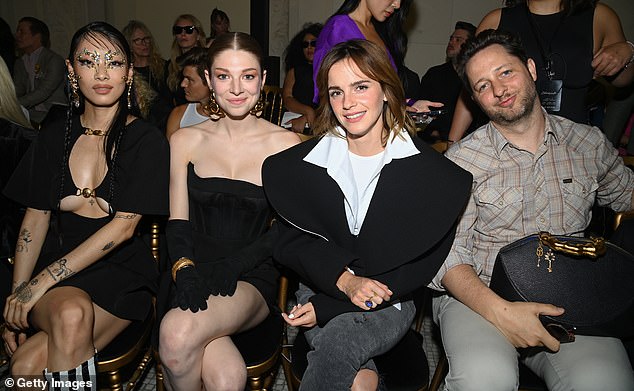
[(180, 241), (227, 271), (191, 290), (224, 277)]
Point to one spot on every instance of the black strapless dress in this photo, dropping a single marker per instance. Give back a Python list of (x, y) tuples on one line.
[(227, 215)]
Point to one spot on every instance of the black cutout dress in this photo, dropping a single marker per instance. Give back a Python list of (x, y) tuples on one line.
[(124, 281)]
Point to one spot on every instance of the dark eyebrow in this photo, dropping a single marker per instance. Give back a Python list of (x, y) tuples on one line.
[(356, 83)]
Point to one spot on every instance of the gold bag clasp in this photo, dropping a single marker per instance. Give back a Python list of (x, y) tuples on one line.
[(590, 247)]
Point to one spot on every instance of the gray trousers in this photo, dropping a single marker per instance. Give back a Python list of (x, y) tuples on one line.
[(481, 358), (348, 342)]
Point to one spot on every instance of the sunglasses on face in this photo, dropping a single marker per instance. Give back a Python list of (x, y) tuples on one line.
[(187, 29), (306, 44), (144, 41), (560, 333)]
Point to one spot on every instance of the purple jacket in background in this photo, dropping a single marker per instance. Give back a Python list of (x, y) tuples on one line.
[(339, 28)]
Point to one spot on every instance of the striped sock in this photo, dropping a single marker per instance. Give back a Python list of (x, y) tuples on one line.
[(82, 378)]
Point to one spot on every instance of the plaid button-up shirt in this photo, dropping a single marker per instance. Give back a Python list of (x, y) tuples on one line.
[(516, 193)]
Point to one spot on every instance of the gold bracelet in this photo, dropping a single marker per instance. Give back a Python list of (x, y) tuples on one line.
[(181, 263)]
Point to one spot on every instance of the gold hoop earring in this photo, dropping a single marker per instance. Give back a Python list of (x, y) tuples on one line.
[(129, 83), (214, 111), (74, 86), (258, 108)]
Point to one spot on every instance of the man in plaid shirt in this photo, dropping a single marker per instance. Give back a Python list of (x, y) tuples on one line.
[(531, 172)]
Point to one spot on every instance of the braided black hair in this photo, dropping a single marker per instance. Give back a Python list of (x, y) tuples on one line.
[(100, 33)]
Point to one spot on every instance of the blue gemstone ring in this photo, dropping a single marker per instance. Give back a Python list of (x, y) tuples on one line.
[(369, 303)]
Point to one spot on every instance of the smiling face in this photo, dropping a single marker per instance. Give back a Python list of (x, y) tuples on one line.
[(357, 102), (382, 9), (102, 71), (195, 89), (186, 41), (236, 81), (502, 85)]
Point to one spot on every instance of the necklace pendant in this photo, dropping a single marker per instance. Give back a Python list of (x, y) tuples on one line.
[(86, 192)]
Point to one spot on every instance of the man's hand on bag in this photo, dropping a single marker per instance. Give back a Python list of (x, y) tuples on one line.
[(519, 322)]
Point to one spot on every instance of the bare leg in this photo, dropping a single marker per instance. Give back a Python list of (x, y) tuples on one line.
[(366, 380), (59, 310), (185, 337), (223, 366)]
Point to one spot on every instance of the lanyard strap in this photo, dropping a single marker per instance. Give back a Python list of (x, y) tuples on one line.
[(546, 58)]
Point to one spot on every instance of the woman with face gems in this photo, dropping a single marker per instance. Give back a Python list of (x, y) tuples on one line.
[(81, 275), (371, 228), (222, 280)]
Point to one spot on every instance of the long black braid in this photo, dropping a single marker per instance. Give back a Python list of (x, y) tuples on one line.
[(99, 33)]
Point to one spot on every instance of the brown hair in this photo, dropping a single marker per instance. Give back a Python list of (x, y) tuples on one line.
[(235, 41), (374, 63)]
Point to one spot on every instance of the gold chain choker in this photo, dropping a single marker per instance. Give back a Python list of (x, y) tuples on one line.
[(94, 132)]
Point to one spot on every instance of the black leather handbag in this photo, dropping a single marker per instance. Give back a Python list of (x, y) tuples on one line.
[(592, 279)]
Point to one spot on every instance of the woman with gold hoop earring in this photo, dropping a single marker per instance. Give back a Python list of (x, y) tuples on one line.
[(223, 280), (81, 275)]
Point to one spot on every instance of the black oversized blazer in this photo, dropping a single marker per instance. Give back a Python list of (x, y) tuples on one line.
[(405, 237)]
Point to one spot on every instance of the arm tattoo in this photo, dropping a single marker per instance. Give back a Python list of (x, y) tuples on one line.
[(125, 217), (59, 271), (23, 293), (23, 241), (108, 246), (18, 286)]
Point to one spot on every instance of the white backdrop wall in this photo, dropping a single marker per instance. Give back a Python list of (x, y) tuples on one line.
[(429, 25)]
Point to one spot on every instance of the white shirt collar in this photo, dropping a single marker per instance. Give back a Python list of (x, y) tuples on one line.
[(331, 150), (331, 153)]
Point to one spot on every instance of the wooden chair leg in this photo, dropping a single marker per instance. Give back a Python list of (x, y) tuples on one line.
[(439, 374), (114, 381), (146, 361), (254, 383), (158, 369)]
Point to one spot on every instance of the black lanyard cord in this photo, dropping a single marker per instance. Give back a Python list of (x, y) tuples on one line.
[(546, 58)]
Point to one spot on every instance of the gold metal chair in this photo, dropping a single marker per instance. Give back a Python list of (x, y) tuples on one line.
[(620, 216), (273, 104), (440, 146), (261, 375), (130, 346)]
